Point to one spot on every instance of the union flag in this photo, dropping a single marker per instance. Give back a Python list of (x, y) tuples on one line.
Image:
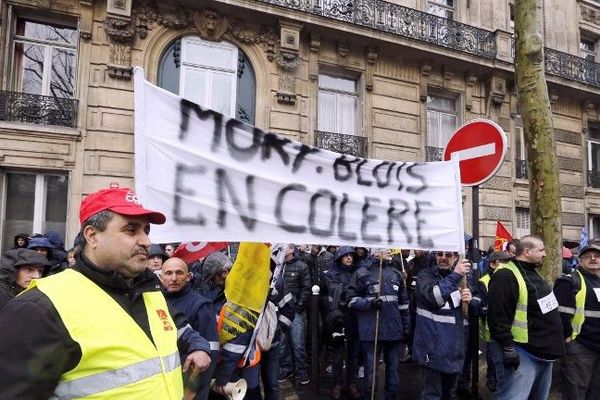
[(502, 236), (193, 251)]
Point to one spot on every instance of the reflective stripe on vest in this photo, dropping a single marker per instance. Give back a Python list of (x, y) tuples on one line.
[(519, 326), (485, 330), (579, 314), (118, 360)]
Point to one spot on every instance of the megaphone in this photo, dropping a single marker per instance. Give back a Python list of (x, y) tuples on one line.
[(234, 390)]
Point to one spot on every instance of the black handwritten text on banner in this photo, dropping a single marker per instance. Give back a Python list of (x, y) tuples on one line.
[(218, 179)]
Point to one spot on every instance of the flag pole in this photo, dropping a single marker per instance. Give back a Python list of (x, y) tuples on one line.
[(374, 377)]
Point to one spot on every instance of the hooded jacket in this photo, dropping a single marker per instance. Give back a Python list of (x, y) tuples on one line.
[(297, 281), (59, 254), (11, 261), (23, 236), (439, 341), (365, 287)]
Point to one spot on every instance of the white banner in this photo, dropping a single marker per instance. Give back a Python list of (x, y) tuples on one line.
[(218, 179)]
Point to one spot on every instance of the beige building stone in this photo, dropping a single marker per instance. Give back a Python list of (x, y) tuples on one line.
[(399, 75)]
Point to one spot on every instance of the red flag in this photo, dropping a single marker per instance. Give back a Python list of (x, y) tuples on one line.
[(193, 251), (502, 236)]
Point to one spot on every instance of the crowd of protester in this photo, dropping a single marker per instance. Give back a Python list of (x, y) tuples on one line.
[(378, 307)]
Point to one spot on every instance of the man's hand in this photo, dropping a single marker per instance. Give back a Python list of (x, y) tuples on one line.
[(197, 361), (188, 394), (376, 303), (219, 390), (465, 295), (510, 358), (462, 267)]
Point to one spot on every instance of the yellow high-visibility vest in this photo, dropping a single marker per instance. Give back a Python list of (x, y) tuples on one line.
[(579, 315), (485, 330), (118, 361), (519, 328)]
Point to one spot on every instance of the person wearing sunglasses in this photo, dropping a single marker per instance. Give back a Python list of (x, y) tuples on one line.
[(439, 343), (578, 296)]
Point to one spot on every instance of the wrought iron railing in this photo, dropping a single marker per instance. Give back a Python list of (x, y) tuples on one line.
[(434, 153), (399, 20), (572, 67), (521, 169), (36, 109), (403, 21), (342, 143), (593, 179)]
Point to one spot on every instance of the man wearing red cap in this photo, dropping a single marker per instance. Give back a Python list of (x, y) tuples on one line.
[(103, 328)]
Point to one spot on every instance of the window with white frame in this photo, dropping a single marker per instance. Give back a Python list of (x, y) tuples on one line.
[(34, 203), (442, 121), (218, 76), (594, 224), (441, 8), (523, 222), (338, 105), (593, 154), (44, 58), (521, 169), (587, 47)]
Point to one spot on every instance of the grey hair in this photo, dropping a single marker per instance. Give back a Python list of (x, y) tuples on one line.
[(99, 221)]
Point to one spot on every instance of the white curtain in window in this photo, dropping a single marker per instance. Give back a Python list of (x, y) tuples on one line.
[(327, 112), (347, 110), (209, 74)]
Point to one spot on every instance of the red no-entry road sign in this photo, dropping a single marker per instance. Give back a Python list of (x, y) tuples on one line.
[(480, 145)]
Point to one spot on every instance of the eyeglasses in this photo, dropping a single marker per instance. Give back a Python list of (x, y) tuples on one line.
[(590, 255), (448, 254)]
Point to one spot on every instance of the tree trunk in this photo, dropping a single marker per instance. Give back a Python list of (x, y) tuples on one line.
[(544, 187)]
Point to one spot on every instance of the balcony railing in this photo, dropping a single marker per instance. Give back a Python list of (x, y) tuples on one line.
[(593, 179), (572, 67), (434, 153), (402, 21), (521, 171), (407, 22), (36, 109), (342, 143)]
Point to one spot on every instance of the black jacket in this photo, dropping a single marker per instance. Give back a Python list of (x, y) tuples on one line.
[(297, 281), (565, 289), (37, 349), (545, 339)]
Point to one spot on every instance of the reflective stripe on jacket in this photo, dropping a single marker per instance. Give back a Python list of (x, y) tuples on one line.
[(579, 311), (118, 360), (519, 328), (485, 329)]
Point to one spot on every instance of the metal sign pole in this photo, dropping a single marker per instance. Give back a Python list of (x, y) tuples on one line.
[(474, 321)]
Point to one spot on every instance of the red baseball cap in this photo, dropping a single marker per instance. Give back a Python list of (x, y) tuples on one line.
[(120, 200)]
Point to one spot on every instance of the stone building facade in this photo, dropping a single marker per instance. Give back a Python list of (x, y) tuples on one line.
[(403, 74)]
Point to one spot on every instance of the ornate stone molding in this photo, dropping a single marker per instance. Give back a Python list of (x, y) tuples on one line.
[(470, 80), (119, 66), (119, 7), (425, 72), (288, 60), (589, 14), (496, 90), (87, 19), (210, 24), (120, 30), (313, 56), (371, 54), (266, 37)]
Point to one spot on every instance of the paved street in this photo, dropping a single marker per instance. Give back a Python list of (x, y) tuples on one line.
[(410, 380)]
